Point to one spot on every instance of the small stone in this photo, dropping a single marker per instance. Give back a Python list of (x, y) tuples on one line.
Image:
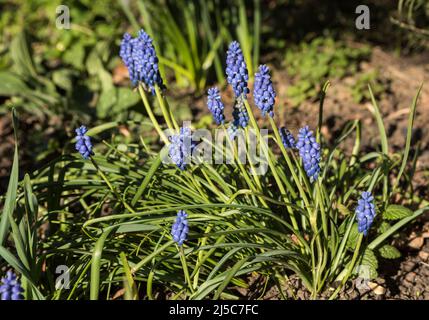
[(416, 243), (372, 285), (408, 266), (410, 277), (376, 288), (379, 290), (423, 255)]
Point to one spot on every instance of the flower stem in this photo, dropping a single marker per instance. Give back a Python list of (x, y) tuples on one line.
[(166, 112), (185, 269), (349, 269), (289, 163), (151, 115), (270, 163)]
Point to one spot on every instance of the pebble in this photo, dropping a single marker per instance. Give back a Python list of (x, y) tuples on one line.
[(379, 290), (423, 255), (416, 243), (408, 266), (410, 277), (376, 288)]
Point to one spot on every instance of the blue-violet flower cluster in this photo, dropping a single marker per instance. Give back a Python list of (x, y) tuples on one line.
[(215, 105), (180, 228), (240, 115), (141, 60), (11, 288), (309, 150), (287, 138), (365, 212), (180, 149), (83, 142), (236, 70), (263, 91)]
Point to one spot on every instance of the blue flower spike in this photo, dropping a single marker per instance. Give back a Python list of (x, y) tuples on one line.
[(83, 142), (263, 91), (139, 56), (309, 151), (236, 70), (287, 138), (215, 105), (181, 147), (180, 228), (11, 288), (365, 212)]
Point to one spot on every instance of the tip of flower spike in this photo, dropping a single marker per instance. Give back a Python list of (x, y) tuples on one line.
[(215, 105), (83, 142), (181, 147), (263, 91), (309, 151), (81, 130), (139, 56), (180, 228), (365, 212), (236, 70), (234, 45)]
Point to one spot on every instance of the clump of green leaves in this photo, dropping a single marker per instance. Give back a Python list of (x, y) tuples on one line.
[(359, 89), (312, 63), (48, 71)]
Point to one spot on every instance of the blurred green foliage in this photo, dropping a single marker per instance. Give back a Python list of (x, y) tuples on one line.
[(47, 70), (359, 89), (312, 63)]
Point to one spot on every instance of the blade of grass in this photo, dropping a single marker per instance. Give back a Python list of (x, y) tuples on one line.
[(10, 201), (409, 136)]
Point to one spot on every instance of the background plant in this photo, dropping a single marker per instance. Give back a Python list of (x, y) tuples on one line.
[(322, 58)]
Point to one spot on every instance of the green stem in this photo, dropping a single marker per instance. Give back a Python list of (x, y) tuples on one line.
[(270, 162), (252, 167), (240, 165), (151, 115), (322, 209), (289, 163), (350, 268), (165, 109), (185, 269)]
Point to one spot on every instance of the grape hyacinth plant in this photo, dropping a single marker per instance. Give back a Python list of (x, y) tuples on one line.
[(180, 228), (365, 212), (263, 91), (11, 288), (215, 105), (309, 151), (259, 210), (83, 142), (139, 56), (287, 137), (236, 70)]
